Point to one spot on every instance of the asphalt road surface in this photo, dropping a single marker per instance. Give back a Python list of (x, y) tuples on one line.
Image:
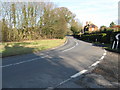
[(51, 67)]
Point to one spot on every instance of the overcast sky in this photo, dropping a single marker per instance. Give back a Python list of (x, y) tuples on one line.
[(100, 12)]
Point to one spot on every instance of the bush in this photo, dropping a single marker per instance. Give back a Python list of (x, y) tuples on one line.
[(107, 37)]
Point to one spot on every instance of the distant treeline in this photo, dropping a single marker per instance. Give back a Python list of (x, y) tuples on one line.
[(30, 21)]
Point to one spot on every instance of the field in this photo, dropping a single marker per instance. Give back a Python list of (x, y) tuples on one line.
[(17, 48)]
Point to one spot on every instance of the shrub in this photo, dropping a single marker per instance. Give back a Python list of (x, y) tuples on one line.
[(107, 37)]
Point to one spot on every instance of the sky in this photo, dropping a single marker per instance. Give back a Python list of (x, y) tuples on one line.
[(99, 12)]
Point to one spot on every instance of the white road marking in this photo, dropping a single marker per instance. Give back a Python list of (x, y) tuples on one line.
[(68, 49), (76, 43), (61, 45), (46, 56), (41, 53), (79, 73), (102, 58), (7, 65), (94, 64), (34, 58), (73, 76), (43, 56), (104, 54), (50, 88), (63, 82), (21, 62), (25, 61), (83, 71), (71, 47), (105, 51)]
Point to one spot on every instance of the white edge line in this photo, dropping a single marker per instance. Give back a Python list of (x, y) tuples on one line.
[(104, 54), (24, 61), (32, 59), (94, 64), (102, 58), (79, 73), (105, 51), (20, 62)]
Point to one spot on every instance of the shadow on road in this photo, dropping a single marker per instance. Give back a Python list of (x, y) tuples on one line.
[(41, 73), (16, 49), (99, 45)]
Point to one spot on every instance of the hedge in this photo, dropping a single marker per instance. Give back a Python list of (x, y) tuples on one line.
[(103, 37)]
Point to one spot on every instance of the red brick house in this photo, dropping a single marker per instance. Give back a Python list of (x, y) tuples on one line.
[(93, 28), (90, 27), (116, 27)]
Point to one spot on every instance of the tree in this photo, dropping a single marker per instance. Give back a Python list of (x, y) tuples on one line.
[(112, 24), (29, 20), (13, 14), (76, 27), (103, 28), (4, 30), (67, 14)]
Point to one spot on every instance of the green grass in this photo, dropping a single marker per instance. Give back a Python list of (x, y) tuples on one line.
[(17, 48)]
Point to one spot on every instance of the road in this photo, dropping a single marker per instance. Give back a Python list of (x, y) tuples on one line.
[(51, 67)]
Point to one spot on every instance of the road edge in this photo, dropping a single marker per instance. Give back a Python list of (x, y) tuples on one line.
[(83, 72)]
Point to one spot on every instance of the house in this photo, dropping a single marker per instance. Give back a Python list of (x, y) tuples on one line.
[(116, 27), (93, 28), (90, 27)]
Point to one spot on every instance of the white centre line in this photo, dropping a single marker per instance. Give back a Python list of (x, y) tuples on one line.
[(73, 76), (71, 47), (35, 58)]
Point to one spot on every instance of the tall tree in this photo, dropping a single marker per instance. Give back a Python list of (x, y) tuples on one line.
[(27, 21), (13, 14), (76, 27), (67, 14)]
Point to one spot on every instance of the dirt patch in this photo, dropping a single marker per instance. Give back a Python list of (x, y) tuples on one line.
[(105, 75), (109, 67)]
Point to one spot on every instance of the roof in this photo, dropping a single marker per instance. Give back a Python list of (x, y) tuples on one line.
[(116, 26), (92, 26)]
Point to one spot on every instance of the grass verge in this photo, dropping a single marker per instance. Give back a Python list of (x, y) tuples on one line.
[(18, 48), (106, 46)]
